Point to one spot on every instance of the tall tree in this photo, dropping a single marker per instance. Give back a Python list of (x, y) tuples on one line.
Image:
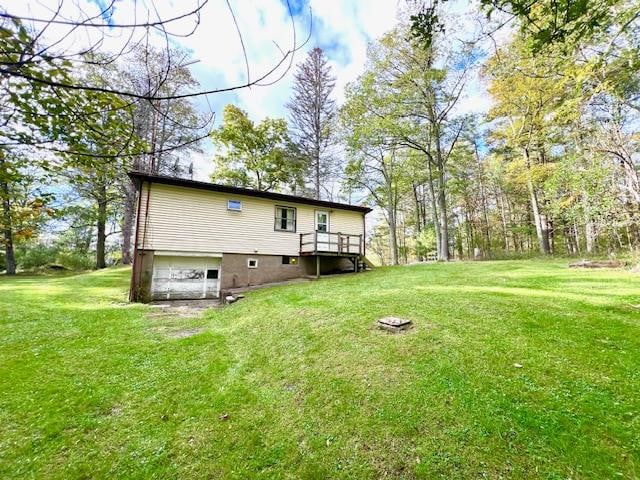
[(95, 189), (526, 90), (173, 128), (376, 162), (422, 85), (313, 112), (25, 204), (30, 114), (103, 152), (253, 155)]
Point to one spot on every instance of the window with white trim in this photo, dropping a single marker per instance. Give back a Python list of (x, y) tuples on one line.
[(322, 221), (234, 205), (252, 263), (285, 219)]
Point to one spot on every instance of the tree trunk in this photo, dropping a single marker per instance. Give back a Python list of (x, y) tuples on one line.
[(393, 235), (569, 239), (443, 253), (405, 250), (548, 224), (631, 178), (10, 259), (486, 231), (538, 220), (423, 203), (590, 236), (102, 227), (317, 172), (458, 240), (469, 232), (418, 218), (503, 217), (434, 211)]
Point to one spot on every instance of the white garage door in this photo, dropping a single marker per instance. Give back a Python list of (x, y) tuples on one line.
[(177, 277)]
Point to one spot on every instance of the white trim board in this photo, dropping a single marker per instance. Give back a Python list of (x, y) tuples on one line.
[(172, 253)]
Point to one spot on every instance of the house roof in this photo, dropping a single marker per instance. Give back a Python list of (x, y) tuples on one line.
[(215, 187)]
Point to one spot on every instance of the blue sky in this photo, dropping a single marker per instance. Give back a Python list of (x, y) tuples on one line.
[(343, 28)]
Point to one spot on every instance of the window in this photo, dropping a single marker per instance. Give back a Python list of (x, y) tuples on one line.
[(322, 222), (212, 274), (234, 205), (285, 219), (252, 263), (287, 260)]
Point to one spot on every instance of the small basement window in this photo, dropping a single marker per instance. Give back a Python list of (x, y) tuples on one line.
[(287, 260), (252, 263), (234, 205), (212, 274)]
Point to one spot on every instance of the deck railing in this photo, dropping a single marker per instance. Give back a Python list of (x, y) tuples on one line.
[(336, 243)]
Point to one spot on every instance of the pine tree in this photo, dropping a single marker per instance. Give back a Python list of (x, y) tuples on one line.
[(313, 114)]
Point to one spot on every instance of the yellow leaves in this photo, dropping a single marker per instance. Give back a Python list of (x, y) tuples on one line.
[(540, 172), (567, 201), (519, 172)]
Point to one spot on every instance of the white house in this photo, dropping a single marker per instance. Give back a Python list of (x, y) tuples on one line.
[(196, 239)]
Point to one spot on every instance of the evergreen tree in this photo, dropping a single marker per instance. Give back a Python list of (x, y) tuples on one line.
[(312, 112)]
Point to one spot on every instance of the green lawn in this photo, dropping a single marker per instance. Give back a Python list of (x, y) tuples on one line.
[(296, 382)]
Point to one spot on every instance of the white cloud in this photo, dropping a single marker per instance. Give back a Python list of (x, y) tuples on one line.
[(343, 28)]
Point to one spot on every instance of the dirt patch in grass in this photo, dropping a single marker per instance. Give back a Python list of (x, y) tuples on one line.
[(181, 310), (184, 333), (597, 264), (172, 319)]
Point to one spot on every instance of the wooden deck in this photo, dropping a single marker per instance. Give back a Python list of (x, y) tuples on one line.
[(331, 244)]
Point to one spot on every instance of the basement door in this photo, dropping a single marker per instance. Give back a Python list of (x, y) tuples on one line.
[(185, 278)]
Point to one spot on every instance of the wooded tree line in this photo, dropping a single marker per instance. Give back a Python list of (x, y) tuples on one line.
[(550, 168), (65, 153), (89, 93)]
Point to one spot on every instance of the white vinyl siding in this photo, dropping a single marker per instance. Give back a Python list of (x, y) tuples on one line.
[(192, 220)]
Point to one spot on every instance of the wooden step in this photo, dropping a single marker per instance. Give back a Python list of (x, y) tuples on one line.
[(367, 263)]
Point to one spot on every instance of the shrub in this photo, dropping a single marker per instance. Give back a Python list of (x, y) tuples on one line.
[(75, 260), (34, 255)]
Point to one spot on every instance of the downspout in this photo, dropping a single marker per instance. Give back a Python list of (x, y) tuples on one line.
[(146, 216), (136, 264), (137, 259)]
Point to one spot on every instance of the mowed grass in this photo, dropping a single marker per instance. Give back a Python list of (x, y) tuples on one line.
[(513, 370)]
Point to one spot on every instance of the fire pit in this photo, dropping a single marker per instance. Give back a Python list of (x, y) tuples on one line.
[(394, 324)]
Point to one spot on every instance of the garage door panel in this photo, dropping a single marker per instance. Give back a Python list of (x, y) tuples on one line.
[(212, 288), (185, 290), (185, 274), (184, 278)]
